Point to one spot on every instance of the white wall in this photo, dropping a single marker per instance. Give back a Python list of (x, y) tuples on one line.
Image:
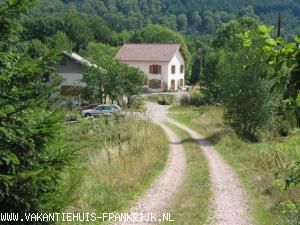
[(144, 66), (71, 72), (177, 60)]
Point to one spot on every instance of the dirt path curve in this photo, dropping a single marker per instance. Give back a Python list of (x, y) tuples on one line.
[(159, 195), (229, 201)]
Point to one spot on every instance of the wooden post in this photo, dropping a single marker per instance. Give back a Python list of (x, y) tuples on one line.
[(279, 25)]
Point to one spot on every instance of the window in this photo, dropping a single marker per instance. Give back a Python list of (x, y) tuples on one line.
[(173, 69), (115, 107), (154, 84), (181, 68), (155, 69), (106, 107)]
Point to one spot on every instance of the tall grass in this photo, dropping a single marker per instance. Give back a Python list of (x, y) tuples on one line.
[(261, 166), (117, 160)]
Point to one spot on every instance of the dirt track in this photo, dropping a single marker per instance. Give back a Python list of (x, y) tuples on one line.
[(158, 197), (229, 202)]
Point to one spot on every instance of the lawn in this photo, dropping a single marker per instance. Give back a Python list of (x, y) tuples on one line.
[(117, 160), (260, 166)]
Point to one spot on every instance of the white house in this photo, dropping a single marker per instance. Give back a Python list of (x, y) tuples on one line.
[(164, 64)]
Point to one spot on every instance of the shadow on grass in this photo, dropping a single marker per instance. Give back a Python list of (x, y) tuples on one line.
[(208, 141)]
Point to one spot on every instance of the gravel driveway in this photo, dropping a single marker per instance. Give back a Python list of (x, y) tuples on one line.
[(229, 202)]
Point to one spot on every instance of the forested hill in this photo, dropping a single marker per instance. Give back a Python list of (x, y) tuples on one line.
[(190, 17)]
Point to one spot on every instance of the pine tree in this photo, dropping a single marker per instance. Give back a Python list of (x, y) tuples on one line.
[(30, 164)]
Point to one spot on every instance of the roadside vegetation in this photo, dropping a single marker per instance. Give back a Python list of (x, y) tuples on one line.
[(114, 164), (263, 167), (162, 99), (247, 105), (193, 206)]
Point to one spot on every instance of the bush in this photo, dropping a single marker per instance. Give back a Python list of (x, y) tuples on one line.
[(197, 98), (153, 98), (162, 99), (166, 99), (184, 100), (137, 102), (284, 128), (249, 104)]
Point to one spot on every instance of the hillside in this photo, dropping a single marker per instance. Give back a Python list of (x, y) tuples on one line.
[(190, 17)]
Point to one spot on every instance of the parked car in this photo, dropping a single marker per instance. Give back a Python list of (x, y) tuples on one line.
[(105, 109), (89, 106), (185, 88)]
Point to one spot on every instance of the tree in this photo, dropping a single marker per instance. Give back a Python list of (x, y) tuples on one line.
[(245, 88), (30, 162), (132, 82), (211, 76), (131, 15), (61, 42), (114, 80), (182, 22), (245, 92)]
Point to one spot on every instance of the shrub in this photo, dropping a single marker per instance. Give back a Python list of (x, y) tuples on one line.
[(197, 98), (284, 128), (137, 102), (166, 99), (249, 103), (184, 100), (153, 98)]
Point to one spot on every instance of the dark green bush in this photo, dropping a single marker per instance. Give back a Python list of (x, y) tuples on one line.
[(153, 97), (166, 99), (284, 128), (197, 98), (184, 100)]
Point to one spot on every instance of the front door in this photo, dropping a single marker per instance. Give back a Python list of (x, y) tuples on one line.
[(172, 85)]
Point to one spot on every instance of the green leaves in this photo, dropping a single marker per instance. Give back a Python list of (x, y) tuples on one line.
[(297, 39), (247, 43), (271, 42), (28, 133), (263, 28), (247, 34)]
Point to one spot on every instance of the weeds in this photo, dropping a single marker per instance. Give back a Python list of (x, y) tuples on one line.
[(263, 167), (117, 161)]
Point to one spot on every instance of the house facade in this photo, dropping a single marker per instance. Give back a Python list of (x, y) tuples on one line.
[(71, 69), (164, 64)]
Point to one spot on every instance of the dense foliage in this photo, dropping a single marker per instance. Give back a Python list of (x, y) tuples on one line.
[(30, 163), (114, 82), (193, 16)]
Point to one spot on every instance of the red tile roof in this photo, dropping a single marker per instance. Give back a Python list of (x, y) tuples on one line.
[(148, 52)]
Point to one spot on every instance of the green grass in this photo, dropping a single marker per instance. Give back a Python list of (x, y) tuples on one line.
[(191, 204), (116, 163), (256, 163)]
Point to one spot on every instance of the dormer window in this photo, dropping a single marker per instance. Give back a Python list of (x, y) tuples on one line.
[(173, 69), (181, 68), (155, 69)]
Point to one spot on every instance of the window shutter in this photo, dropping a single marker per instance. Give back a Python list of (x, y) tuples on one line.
[(173, 69)]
